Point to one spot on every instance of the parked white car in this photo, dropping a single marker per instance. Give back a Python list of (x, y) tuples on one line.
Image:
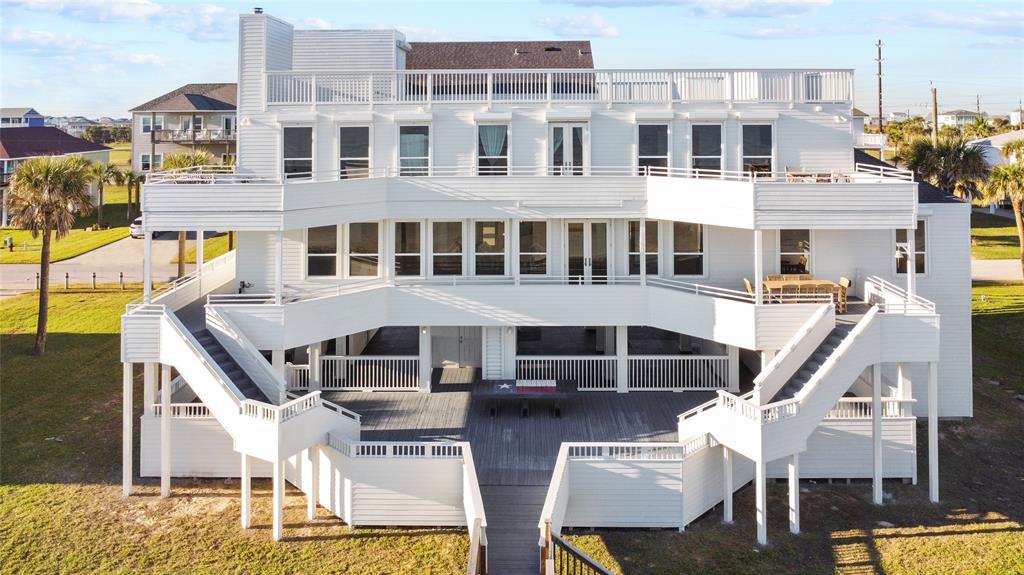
[(135, 230)]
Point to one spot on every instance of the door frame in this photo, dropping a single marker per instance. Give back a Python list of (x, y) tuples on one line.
[(588, 247), (567, 148)]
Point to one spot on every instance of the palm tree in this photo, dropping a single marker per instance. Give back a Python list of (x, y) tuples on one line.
[(979, 128), (133, 182), (1007, 180), (1014, 151), (102, 174), (193, 159), (44, 197), (953, 165)]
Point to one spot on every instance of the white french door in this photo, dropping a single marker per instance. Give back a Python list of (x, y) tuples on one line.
[(569, 153), (587, 245)]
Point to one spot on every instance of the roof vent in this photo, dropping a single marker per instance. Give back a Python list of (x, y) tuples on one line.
[(257, 10), (515, 52), (552, 49)]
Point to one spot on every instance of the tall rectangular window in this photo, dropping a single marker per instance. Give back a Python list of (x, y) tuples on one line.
[(298, 152), (533, 248), (407, 249), (652, 148), (322, 251), (687, 249), (149, 124), (650, 249), (363, 249), (414, 150), (492, 150), (919, 249), (154, 162), (795, 251), (447, 248), (489, 252), (354, 142), (757, 148), (706, 140)]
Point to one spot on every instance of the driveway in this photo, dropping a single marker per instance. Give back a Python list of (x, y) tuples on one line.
[(996, 270)]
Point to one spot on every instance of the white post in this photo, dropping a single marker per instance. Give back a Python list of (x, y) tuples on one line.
[(199, 252), (734, 367), (904, 385), (761, 501), (278, 500), (126, 432), (277, 360), (147, 264), (621, 358), (165, 430), (794, 493), (876, 433), (758, 266), (643, 253), (727, 485), (246, 491), (314, 481), (279, 269), (911, 261), (387, 266), (148, 387), (513, 249), (425, 354), (314, 365), (933, 431)]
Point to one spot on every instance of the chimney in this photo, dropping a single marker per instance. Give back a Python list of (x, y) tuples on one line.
[(257, 10)]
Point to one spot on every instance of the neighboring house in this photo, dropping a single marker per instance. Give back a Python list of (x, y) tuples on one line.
[(107, 121), (491, 247), (20, 118), (898, 116), (20, 144), (76, 125), (195, 116), (1015, 117), (992, 148), (958, 118)]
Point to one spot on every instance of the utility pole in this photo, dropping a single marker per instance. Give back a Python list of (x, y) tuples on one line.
[(935, 118), (878, 59), (977, 103)]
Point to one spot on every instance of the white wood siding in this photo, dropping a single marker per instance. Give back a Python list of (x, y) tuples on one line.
[(841, 449), (608, 493), (320, 50)]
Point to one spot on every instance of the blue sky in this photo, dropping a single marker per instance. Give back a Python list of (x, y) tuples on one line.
[(102, 57)]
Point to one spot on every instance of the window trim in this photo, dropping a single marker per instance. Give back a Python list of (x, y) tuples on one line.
[(338, 251), (657, 253), (504, 253), (159, 163), (775, 143), (348, 253), (917, 251), (369, 146), (312, 150), (779, 253), (420, 254), (158, 123), (721, 145), (508, 149), (431, 253), (703, 253), (430, 147), (668, 144), (234, 123), (546, 252)]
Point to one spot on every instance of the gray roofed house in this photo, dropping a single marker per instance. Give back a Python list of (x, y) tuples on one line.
[(499, 55), (21, 117), (194, 97)]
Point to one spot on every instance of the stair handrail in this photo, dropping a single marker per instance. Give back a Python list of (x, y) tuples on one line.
[(280, 413), (247, 347), (784, 355), (708, 405), (744, 407), (342, 411), (908, 304)]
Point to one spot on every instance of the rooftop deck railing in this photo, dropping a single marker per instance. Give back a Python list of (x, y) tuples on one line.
[(564, 85)]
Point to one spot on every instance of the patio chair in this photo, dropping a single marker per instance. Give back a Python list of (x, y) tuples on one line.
[(749, 286), (805, 277), (826, 288), (774, 277), (842, 294), (789, 290)]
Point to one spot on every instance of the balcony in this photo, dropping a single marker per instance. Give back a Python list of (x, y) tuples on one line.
[(188, 137), (547, 86), (871, 141)]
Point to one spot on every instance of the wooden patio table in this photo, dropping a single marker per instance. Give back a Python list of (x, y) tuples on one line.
[(497, 390), (774, 287)]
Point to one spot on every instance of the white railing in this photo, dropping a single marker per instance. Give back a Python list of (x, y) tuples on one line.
[(204, 135), (188, 288), (741, 406), (678, 372), (564, 85), (884, 172), (184, 411), (869, 141), (476, 518), (283, 412), (791, 357), (296, 376), (370, 372), (248, 357), (890, 298), (590, 373), (862, 408)]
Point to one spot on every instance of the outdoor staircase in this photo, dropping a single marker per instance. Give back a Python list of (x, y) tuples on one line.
[(512, 512), (229, 366), (810, 367)]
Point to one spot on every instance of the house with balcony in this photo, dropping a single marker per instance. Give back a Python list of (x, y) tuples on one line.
[(498, 275), (20, 118), (193, 117)]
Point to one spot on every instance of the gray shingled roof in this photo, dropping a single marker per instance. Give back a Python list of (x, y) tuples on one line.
[(18, 112), (926, 192), (194, 97), (43, 141), (499, 55)]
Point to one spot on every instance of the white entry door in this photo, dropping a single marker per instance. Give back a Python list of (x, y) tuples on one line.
[(569, 153), (454, 346), (587, 245)]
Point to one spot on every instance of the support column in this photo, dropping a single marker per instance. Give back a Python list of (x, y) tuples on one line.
[(643, 253), (279, 269), (734, 367), (622, 358), (727, 484), (200, 236), (761, 501), (876, 433), (794, 493), (246, 491), (933, 431), (277, 360), (147, 266), (387, 266), (911, 261), (314, 481), (126, 432), (278, 500), (425, 355), (758, 266), (904, 385), (165, 430), (148, 387), (513, 249), (314, 366)]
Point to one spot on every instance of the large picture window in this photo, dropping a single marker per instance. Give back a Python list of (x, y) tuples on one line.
[(795, 251), (407, 249), (757, 148), (650, 243), (652, 148), (919, 249), (489, 248), (149, 123), (354, 146), (492, 150), (687, 249), (706, 142), (414, 150), (533, 248), (298, 152), (363, 249), (322, 251), (446, 241), (154, 162)]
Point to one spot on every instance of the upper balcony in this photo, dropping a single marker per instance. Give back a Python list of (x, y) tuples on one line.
[(425, 87), (187, 137)]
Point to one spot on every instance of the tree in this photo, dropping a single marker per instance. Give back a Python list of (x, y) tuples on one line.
[(1007, 180), (1014, 151), (194, 159), (132, 181), (902, 133), (102, 174), (953, 165), (979, 128), (44, 196)]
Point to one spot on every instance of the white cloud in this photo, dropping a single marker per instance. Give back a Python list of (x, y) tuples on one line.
[(1000, 23), (734, 8), (583, 25), (141, 59), (44, 43), (418, 34), (314, 23)]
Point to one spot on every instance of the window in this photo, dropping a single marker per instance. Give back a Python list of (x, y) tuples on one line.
[(298, 152), (414, 150), (795, 251), (148, 124), (533, 248), (355, 152), (489, 248), (707, 147), (228, 159), (919, 248), (687, 249), (190, 123), (757, 148), (156, 163), (651, 246), (407, 249), (363, 250), (322, 251), (228, 123), (492, 150), (447, 248), (652, 147)]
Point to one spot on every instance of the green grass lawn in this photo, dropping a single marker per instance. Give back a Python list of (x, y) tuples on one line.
[(993, 237), (121, 154), (212, 247), (60, 505)]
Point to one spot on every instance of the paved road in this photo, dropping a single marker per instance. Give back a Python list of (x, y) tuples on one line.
[(996, 270)]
